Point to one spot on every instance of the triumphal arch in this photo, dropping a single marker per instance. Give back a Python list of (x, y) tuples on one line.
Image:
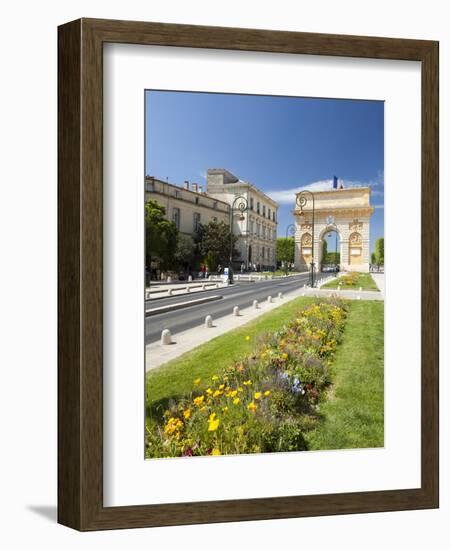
[(346, 211)]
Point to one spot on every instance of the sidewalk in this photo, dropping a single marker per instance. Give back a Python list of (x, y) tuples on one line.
[(157, 354), (379, 281)]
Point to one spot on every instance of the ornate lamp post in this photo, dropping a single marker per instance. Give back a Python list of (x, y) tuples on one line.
[(240, 205), (290, 230), (302, 200)]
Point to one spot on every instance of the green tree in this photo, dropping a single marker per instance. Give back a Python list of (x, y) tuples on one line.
[(285, 251), (373, 258), (379, 251), (161, 236), (325, 258), (185, 251), (214, 241)]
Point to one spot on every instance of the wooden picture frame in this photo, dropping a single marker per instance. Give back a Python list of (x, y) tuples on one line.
[(80, 322)]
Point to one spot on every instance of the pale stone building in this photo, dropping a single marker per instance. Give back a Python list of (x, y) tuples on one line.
[(186, 206), (256, 227), (350, 211)]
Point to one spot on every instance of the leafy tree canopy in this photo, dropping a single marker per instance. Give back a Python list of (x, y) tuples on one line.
[(161, 235), (214, 240)]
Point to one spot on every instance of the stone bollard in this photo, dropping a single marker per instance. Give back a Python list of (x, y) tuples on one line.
[(190, 279), (170, 292), (360, 288), (147, 295), (269, 299), (169, 279), (236, 311), (203, 286), (304, 286), (280, 295), (166, 337), (358, 297), (255, 304), (188, 289), (208, 321)]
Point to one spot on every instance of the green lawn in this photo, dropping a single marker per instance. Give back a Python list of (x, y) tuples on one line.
[(363, 281), (353, 414), (175, 378)]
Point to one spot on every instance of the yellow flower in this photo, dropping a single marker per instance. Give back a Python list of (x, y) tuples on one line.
[(240, 389), (203, 409), (187, 414), (221, 386), (247, 338), (199, 400), (225, 409), (248, 383), (267, 393), (236, 401), (197, 381), (217, 393), (213, 423), (257, 395), (284, 356), (216, 452), (233, 393), (252, 407), (209, 391), (214, 377)]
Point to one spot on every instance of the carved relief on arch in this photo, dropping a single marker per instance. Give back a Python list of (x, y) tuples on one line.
[(306, 239), (355, 239), (355, 225)]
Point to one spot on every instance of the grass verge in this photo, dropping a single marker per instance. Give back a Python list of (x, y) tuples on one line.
[(174, 379), (353, 414), (364, 281)]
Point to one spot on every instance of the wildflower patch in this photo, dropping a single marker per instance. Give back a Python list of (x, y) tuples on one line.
[(264, 402)]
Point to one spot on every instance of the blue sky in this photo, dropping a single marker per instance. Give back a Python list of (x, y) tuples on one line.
[(280, 144)]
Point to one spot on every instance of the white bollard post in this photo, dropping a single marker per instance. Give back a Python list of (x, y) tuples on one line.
[(250, 278), (358, 297), (208, 321), (255, 304), (170, 292), (360, 288), (147, 295), (236, 311), (303, 293), (169, 279), (166, 337), (304, 286), (190, 279), (203, 286), (269, 299), (188, 289), (280, 295)]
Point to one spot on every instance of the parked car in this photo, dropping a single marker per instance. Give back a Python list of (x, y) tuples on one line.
[(330, 268)]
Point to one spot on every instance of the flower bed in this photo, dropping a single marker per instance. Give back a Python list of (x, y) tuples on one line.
[(262, 403)]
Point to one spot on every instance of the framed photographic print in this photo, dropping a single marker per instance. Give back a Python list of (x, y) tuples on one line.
[(238, 338)]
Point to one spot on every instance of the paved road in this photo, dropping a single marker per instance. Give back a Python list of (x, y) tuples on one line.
[(239, 294)]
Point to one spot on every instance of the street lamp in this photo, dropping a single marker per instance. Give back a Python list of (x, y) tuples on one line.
[(240, 205), (290, 229), (302, 200)]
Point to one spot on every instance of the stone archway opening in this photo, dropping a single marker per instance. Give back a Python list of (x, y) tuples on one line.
[(330, 250)]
